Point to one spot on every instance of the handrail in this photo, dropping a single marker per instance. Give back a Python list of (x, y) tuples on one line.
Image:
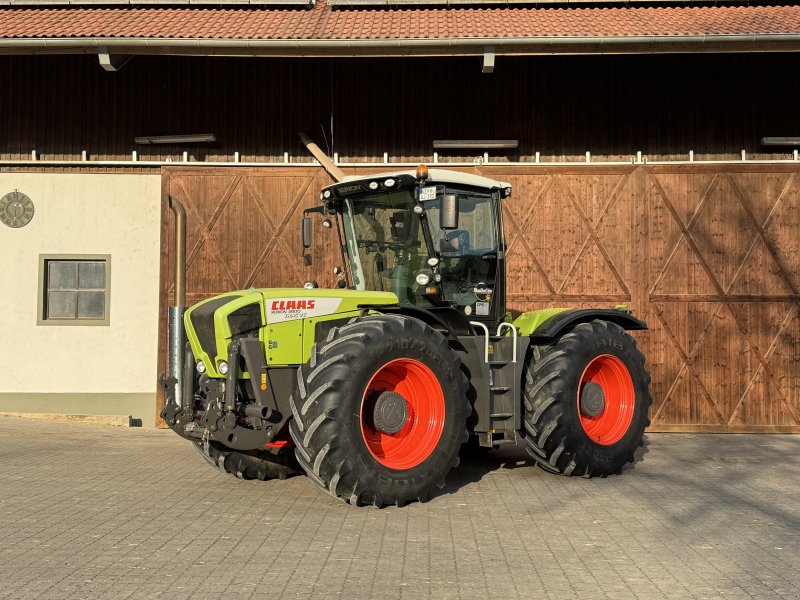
[(513, 335), (486, 335)]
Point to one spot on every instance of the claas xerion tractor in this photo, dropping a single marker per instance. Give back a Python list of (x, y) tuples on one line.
[(375, 387)]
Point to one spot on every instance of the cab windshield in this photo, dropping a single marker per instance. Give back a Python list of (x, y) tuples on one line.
[(387, 247), (386, 244)]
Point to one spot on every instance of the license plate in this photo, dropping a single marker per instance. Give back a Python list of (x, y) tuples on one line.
[(427, 193)]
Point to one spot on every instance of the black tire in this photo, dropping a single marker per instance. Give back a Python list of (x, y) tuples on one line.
[(327, 407), (258, 464), (554, 435)]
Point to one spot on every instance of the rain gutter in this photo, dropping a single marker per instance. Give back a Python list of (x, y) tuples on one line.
[(419, 46)]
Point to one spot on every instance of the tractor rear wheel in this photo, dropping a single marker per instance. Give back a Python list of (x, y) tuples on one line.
[(380, 411), (269, 463), (586, 401)]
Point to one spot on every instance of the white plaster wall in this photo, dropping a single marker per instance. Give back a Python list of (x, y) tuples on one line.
[(114, 214)]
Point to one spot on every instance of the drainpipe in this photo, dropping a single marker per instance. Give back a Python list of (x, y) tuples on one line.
[(321, 157), (175, 331)]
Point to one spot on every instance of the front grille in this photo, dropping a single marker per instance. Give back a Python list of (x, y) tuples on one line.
[(202, 319), (245, 320)]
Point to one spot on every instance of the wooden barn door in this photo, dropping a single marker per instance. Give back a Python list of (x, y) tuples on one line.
[(723, 261), (242, 230), (709, 256)]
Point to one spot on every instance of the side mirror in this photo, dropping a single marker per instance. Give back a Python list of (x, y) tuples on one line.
[(448, 213), (307, 232)]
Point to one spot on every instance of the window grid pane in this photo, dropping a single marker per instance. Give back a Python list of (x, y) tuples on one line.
[(75, 290), (63, 275), (61, 305), (91, 275), (91, 305)]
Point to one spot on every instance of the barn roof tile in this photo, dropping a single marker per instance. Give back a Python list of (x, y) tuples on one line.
[(324, 23)]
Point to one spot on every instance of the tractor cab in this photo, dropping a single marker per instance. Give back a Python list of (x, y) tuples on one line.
[(431, 237)]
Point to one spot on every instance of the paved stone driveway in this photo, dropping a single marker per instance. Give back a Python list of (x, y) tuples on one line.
[(93, 512)]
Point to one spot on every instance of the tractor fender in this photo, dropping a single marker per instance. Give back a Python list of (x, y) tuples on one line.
[(551, 323), (442, 318)]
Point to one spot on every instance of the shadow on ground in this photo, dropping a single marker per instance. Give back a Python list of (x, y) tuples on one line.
[(475, 466)]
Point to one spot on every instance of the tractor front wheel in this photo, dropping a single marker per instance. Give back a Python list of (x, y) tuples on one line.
[(380, 411), (586, 401), (267, 463)]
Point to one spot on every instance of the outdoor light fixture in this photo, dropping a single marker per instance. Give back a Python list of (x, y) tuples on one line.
[(475, 144), (194, 138), (780, 141)]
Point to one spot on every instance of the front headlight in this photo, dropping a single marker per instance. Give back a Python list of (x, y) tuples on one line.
[(223, 368), (423, 278)]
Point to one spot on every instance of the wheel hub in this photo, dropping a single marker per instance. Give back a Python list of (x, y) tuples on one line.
[(391, 412), (593, 399)]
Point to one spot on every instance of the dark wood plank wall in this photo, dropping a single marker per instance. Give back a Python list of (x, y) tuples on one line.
[(612, 106), (709, 256)]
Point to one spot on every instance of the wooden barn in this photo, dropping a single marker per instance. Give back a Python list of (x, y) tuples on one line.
[(653, 150)]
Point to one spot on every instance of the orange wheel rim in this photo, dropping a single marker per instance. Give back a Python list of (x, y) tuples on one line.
[(619, 400), (422, 426)]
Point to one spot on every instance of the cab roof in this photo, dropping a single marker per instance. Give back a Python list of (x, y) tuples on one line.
[(444, 176)]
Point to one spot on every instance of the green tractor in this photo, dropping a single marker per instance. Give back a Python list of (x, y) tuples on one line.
[(375, 387)]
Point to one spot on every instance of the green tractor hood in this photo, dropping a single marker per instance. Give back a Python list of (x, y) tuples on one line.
[(286, 320)]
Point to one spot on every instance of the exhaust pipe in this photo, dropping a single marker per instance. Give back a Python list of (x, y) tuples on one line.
[(323, 158), (177, 336)]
